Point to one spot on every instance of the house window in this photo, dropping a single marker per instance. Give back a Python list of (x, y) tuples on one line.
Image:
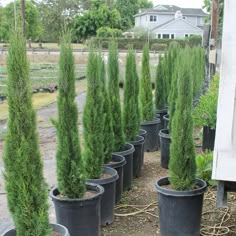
[(172, 36), (159, 36), (186, 35), (153, 18), (185, 17), (165, 36)]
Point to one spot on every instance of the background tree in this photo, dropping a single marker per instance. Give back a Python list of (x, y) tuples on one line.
[(99, 15), (147, 109), (33, 24), (108, 135), (129, 110), (26, 189), (93, 119), (182, 164), (114, 95), (70, 172)]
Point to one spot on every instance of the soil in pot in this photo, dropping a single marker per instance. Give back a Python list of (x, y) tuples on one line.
[(161, 114), (127, 153), (118, 162), (152, 141), (108, 182), (165, 147), (180, 211), (137, 156), (58, 230), (80, 216), (208, 141)]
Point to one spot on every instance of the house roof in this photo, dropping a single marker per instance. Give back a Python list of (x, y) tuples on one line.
[(172, 21), (171, 9)]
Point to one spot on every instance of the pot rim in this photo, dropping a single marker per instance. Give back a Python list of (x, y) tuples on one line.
[(162, 111), (175, 193), (106, 170), (164, 133), (166, 117), (142, 132), (151, 122), (138, 140), (129, 149), (90, 186), (118, 160)]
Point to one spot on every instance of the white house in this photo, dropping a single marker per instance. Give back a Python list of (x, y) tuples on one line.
[(169, 21)]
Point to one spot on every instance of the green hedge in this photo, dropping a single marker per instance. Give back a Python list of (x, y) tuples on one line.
[(138, 43)]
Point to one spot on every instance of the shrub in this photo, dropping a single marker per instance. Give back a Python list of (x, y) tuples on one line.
[(93, 119), (182, 164), (147, 111), (108, 135), (107, 32), (130, 118), (70, 176), (159, 47), (114, 96), (25, 186), (206, 112), (194, 40)]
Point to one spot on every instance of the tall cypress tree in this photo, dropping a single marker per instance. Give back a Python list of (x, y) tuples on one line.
[(114, 95), (25, 186), (182, 164), (108, 135), (129, 111), (147, 109), (160, 97), (93, 119), (70, 172)]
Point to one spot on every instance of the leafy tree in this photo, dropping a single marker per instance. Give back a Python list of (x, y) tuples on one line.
[(160, 101), (98, 16), (114, 95), (71, 181), (25, 185), (147, 111), (108, 135), (33, 23), (93, 119), (130, 121), (182, 164)]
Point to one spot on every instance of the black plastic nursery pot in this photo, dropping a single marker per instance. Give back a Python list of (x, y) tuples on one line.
[(62, 230), (127, 153), (108, 198), (208, 141), (180, 211), (143, 133), (166, 119), (161, 114), (137, 156), (118, 162), (152, 141), (165, 147), (80, 216)]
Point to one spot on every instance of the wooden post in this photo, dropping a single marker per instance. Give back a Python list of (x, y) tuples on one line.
[(23, 17)]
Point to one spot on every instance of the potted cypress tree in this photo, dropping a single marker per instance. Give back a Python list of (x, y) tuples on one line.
[(149, 122), (180, 197), (120, 147), (77, 204), (93, 125), (25, 185), (113, 160), (131, 113)]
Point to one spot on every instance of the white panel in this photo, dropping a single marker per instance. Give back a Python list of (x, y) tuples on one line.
[(224, 167)]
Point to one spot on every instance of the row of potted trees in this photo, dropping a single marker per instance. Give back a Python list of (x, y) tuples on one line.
[(87, 185)]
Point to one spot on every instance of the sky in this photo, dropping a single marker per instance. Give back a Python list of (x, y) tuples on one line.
[(180, 3)]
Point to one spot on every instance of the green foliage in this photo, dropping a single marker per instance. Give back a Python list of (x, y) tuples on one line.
[(130, 114), (114, 95), (107, 32), (25, 185), (159, 47), (160, 101), (147, 109), (206, 112), (108, 135), (194, 40), (98, 16), (70, 176), (33, 24), (182, 164), (204, 164), (93, 119)]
